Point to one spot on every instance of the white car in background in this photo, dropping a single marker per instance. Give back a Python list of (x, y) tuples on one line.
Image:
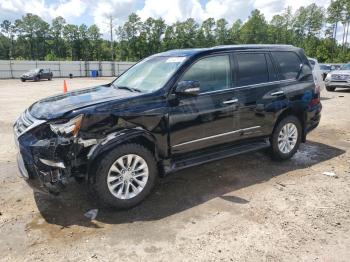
[(318, 74), (338, 78)]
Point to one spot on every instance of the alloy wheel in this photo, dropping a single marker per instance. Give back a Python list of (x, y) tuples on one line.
[(287, 138), (127, 176)]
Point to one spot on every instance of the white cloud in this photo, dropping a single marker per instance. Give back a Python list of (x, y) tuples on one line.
[(67, 9), (118, 9), (171, 11)]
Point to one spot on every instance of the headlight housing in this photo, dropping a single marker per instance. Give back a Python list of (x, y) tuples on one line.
[(70, 128), (328, 77)]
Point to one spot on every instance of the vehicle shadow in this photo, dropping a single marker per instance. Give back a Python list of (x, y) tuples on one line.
[(185, 189)]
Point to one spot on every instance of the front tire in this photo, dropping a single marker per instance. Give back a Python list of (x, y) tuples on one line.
[(286, 138), (125, 176)]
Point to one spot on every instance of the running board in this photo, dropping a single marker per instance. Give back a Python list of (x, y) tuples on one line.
[(218, 153)]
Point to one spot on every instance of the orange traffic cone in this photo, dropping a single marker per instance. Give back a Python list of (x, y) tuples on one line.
[(65, 86)]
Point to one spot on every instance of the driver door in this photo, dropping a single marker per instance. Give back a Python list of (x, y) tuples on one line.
[(209, 118)]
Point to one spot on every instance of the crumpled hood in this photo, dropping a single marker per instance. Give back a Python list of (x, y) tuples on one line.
[(56, 106)]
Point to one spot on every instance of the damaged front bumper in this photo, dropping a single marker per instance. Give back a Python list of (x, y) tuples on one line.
[(45, 164), (46, 176)]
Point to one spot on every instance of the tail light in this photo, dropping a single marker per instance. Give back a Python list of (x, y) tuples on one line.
[(317, 86), (316, 96)]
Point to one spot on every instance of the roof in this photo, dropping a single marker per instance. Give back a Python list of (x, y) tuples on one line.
[(193, 51)]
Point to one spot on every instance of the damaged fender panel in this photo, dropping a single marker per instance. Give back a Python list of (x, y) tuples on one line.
[(114, 139)]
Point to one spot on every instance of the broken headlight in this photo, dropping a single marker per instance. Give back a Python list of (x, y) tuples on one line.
[(69, 128)]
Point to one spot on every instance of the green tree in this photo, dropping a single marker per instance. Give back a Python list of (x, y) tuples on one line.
[(8, 29), (34, 31), (59, 48), (234, 33), (94, 35), (254, 31), (71, 36), (221, 32), (206, 33)]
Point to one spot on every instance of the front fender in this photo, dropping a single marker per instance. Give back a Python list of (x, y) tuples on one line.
[(116, 138)]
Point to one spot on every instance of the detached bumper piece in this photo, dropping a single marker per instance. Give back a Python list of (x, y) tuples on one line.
[(49, 181)]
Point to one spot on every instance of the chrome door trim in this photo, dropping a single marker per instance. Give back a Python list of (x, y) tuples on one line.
[(235, 100), (247, 86), (215, 136), (277, 93)]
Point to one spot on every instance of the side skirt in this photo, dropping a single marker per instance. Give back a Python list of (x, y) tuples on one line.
[(215, 153)]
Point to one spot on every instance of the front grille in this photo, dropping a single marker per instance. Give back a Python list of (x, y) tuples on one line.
[(24, 121), (340, 77)]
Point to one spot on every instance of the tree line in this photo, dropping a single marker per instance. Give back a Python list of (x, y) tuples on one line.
[(313, 28)]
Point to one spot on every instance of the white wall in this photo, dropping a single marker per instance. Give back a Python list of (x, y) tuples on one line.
[(15, 68)]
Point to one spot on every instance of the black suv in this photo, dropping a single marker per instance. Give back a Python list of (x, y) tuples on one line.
[(170, 111), (37, 75)]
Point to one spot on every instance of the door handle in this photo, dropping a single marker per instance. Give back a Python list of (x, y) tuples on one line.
[(278, 93), (232, 101)]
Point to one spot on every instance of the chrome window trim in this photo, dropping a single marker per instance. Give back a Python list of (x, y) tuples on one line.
[(215, 136), (248, 86)]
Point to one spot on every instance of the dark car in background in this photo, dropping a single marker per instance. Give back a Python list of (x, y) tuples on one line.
[(37, 75), (170, 111)]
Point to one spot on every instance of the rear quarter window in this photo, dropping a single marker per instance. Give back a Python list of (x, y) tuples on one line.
[(289, 64)]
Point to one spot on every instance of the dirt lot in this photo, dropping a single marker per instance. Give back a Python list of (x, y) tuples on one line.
[(245, 208)]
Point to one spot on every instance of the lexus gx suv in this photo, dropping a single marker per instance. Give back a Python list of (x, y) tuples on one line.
[(170, 111)]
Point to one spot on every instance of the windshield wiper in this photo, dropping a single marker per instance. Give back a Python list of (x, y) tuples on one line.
[(129, 88)]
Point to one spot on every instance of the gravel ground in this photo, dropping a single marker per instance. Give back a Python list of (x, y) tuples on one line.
[(244, 208)]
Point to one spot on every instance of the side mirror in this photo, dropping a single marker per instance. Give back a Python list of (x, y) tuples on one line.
[(188, 87)]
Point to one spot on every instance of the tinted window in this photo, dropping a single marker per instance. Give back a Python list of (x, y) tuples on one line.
[(252, 69), (289, 64), (213, 73)]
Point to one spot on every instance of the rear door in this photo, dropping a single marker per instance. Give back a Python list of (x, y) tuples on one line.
[(209, 118), (256, 83)]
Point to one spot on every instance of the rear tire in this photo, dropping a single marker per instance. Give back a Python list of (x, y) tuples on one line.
[(286, 138), (125, 176), (330, 88), (23, 80)]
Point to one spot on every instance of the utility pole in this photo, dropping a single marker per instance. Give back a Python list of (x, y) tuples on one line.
[(111, 32)]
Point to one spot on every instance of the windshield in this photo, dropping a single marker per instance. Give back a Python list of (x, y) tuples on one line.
[(345, 67), (325, 67), (150, 74)]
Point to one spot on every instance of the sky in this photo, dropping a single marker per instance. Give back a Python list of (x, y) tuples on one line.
[(97, 11)]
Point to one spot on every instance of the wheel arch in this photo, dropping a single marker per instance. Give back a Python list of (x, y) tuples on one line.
[(299, 114), (136, 136)]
